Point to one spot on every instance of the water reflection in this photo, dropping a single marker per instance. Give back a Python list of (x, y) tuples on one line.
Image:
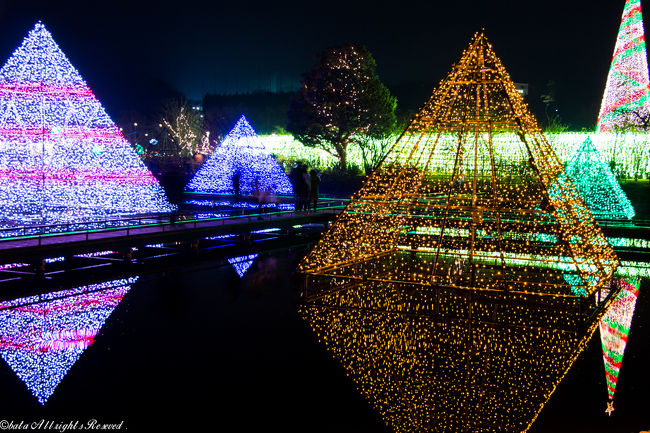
[(615, 328), (242, 263), (42, 336)]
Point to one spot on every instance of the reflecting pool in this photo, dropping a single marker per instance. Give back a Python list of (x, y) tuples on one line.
[(205, 349)]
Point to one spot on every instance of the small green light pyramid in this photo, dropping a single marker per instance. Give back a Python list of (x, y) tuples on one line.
[(597, 185)]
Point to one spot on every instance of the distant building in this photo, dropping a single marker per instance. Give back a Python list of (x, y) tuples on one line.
[(522, 88)]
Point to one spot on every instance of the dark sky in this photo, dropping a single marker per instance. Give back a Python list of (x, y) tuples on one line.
[(129, 51)]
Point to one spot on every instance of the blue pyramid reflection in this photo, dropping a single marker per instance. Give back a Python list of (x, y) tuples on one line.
[(242, 263), (41, 337)]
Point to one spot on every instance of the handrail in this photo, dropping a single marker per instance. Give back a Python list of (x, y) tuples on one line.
[(192, 217), (143, 221)]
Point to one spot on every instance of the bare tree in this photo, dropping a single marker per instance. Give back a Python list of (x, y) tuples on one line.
[(185, 125), (634, 119)]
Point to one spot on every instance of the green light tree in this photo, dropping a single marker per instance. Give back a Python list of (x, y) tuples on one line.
[(341, 101)]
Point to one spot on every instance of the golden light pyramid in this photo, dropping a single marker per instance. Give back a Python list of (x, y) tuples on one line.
[(464, 278)]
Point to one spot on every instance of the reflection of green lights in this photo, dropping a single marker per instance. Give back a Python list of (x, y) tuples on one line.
[(511, 259), (572, 272), (542, 237), (633, 269), (629, 243), (464, 233)]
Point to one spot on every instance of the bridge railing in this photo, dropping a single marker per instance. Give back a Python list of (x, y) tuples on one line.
[(161, 222), (194, 218)]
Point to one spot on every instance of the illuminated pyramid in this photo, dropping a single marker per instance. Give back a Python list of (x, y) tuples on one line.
[(442, 287), (42, 339), (626, 100), (597, 185), (241, 154), (61, 157), (614, 330)]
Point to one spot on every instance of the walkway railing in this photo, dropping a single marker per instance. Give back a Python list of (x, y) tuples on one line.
[(152, 223)]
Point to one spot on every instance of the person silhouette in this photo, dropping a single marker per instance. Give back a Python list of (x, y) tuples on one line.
[(236, 178), (314, 182)]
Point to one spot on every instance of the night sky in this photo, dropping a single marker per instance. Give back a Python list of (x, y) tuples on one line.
[(132, 53)]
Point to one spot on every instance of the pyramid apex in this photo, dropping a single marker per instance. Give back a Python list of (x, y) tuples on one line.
[(480, 34), (242, 128), (479, 40), (39, 27), (588, 144)]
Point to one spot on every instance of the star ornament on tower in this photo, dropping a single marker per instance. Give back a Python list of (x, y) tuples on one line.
[(610, 408)]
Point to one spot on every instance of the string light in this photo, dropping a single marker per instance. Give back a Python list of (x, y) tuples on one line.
[(185, 129), (597, 185), (455, 289), (42, 337), (241, 153), (614, 330), (61, 157), (625, 102)]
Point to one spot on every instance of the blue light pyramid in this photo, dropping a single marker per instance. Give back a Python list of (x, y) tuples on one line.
[(42, 337), (597, 185), (61, 156), (241, 155)]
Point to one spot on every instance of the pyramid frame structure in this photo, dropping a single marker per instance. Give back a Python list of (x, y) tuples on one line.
[(626, 100), (241, 152), (454, 287), (62, 158), (597, 184)]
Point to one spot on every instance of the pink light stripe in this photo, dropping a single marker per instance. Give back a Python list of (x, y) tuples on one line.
[(41, 88)]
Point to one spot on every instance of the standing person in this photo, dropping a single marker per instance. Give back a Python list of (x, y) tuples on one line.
[(300, 180), (236, 184), (314, 182), (260, 198), (305, 187), (295, 178)]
